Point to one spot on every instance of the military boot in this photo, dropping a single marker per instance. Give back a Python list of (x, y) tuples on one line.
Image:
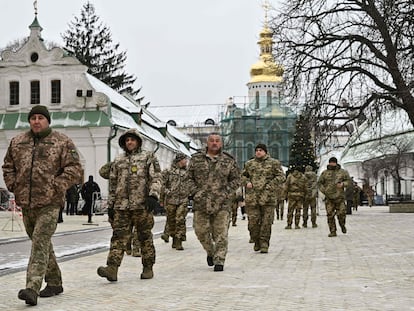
[(174, 243), (165, 237), (108, 272), (256, 246), (314, 225), (50, 291), (179, 245), (288, 227), (332, 234), (28, 295), (147, 273)]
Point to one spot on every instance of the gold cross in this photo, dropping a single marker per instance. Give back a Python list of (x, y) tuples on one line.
[(266, 6)]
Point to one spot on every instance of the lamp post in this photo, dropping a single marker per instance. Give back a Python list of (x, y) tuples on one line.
[(386, 186)]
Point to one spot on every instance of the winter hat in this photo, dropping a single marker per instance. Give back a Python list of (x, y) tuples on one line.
[(129, 133), (261, 146), (333, 160), (39, 109), (180, 157)]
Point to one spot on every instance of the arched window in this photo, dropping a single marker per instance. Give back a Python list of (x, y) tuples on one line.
[(14, 92), (35, 92), (257, 104), (209, 122), (269, 98), (55, 92)]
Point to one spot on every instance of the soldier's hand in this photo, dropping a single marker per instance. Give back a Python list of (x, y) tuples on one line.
[(151, 203)]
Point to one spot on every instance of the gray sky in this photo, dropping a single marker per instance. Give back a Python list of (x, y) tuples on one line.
[(183, 52)]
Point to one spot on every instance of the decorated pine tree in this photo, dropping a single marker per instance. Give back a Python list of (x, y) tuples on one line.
[(302, 150), (91, 43)]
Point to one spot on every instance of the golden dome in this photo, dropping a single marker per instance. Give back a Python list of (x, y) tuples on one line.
[(266, 69)]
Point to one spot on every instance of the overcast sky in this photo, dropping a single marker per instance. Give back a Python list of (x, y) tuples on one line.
[(193, 53)]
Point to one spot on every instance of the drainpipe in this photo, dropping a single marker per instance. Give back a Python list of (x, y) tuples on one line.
[(112, 135), (158, 147)]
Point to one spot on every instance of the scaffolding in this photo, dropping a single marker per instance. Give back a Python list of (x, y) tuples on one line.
[(245, 124)]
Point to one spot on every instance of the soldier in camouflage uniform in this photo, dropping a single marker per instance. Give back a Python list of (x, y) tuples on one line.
[(213, 177), (133, 245), (39, 166), (332, 184), (134, 189), (295, 189), (280, 201), (261, 176), (174, 197), (310, 197)]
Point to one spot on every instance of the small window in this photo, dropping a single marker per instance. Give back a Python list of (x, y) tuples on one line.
[(14, 92), (55, 87), (34, 92), (34, 57)]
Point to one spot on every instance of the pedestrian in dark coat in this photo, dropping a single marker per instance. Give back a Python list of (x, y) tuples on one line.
[(90, 193)]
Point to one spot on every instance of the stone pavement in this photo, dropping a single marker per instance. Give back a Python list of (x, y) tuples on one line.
[(369, 268)]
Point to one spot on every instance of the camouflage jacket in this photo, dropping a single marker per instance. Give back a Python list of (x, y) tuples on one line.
[(295, 185), (39, 170), (311, 183), (132, 178), (266, 176), (328, 180), (212, 181), (173, 185)]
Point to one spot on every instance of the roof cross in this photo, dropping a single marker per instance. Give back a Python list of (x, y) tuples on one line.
[(35, 7)]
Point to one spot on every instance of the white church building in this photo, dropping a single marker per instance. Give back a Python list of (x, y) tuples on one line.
[(91, 113)]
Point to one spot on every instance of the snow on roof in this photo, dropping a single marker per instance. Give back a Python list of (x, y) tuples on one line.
[(123, 119), (178, 134), (154, 134), (115, 98), (190, 115), (370, 141), (153, 120)]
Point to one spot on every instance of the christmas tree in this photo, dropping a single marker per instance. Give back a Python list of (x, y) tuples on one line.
[(91, 42), (302, 150)]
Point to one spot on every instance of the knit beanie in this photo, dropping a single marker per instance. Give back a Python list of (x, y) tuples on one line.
[(180, 157), (39, 109), (261, 146)]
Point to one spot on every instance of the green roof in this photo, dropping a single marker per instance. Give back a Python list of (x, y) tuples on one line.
[(11, 121)]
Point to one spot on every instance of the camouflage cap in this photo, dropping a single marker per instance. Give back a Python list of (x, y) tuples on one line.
[(104, 170)]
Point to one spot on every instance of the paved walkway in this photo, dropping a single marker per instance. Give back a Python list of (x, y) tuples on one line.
[(369, 268)]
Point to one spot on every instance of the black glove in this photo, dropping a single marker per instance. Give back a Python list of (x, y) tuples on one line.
[(151, 203), (111, 214)]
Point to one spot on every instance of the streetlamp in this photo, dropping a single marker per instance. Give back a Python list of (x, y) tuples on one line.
[(386, 181)]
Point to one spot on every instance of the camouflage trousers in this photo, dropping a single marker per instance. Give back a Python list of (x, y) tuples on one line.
[(212, 232), (40, 225), (133, 241), (260, 223), (309, 203), (294, 207), (176, 214), (234, 208), (337, 208), (143, 221), (280, 207)]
